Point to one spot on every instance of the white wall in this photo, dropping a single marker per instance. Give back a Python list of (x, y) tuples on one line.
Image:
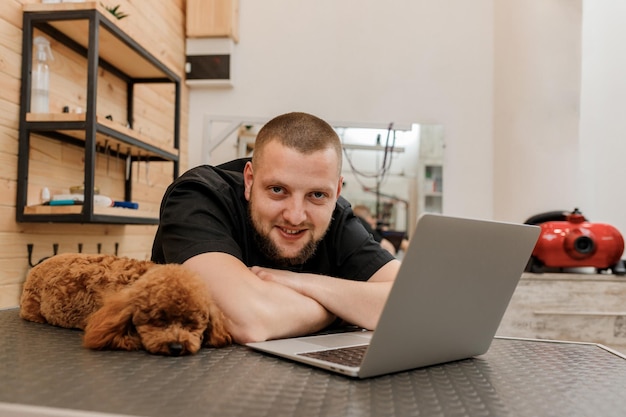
[(536, 109), (559, 126), (530, 92), (602, 172), (405, 61)]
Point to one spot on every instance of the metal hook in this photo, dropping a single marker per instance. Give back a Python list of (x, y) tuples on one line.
[(30, 246)]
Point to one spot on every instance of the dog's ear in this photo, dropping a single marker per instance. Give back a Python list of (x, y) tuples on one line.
[(216, 334), (111, 327)]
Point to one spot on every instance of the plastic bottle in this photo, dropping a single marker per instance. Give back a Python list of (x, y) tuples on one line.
[(40, 87)]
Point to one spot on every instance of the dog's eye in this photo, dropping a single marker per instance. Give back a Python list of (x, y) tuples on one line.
[(161, 319), (163, 315), (188, 324)]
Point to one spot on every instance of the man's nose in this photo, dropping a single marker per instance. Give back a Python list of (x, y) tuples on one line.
[(295, 212)]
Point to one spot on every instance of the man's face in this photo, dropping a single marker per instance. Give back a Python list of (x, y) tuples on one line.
[(292, 197)]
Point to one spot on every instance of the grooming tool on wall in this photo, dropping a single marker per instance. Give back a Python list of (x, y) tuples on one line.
[(138, 166), (117, 155), (107, 154), (126, 204), (77, 199), (147, 173), (45, 195), (128, 163), (80, 189), (65, 203), (98, 200)]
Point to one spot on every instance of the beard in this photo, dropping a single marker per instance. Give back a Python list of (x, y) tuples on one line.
[(271, 250)]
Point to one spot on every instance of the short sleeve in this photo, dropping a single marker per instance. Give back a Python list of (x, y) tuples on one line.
[(201, 212)]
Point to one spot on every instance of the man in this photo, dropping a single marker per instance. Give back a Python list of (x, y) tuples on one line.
[(369, 222), (282, 254)]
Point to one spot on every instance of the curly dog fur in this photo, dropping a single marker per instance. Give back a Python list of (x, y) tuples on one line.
[(126, 304)]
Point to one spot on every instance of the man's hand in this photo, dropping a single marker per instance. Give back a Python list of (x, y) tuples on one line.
[(289, 279)]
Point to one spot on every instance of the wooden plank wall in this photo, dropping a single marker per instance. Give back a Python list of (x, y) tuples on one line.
[(160, 27), (577, 307)]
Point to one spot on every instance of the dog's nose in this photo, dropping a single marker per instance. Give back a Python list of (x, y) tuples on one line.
[(175, 348)]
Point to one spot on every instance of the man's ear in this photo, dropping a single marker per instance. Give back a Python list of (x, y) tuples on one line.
[(339, 186), (248, 179)]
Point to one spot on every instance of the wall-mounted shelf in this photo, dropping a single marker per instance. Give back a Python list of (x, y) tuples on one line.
[(73, 126), (87, 29), (430, 170), (75, 22), (100, 212)]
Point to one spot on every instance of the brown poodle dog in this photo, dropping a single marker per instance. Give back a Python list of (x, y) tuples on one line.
[(125, 304)]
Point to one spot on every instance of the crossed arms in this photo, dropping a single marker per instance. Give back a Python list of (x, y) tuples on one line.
[(264, 304)]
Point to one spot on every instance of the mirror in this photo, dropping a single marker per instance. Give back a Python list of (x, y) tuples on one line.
[(396, 173)]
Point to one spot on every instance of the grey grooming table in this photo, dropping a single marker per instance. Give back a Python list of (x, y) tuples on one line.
[(45, 371)]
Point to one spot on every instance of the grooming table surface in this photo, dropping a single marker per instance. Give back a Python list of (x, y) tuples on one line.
[(45, 371)]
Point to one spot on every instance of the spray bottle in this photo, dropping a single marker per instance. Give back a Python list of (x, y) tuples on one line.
[(40, 87)]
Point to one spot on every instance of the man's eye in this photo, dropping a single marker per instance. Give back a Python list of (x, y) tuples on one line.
[(318, 195), (276, 190)]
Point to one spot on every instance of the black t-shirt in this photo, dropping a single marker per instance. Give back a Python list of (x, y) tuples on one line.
[(205, 210), (375, 234)]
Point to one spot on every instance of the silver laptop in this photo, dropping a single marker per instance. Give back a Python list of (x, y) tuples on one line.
[(453, 287)]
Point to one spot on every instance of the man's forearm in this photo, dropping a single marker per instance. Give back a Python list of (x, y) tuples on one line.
[(257, 310), (292, 314), (356, 302)]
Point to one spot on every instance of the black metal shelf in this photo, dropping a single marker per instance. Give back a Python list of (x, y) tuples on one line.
[(87, 29)]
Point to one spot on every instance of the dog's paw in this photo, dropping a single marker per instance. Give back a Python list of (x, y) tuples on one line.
[(219, 340), (31, 315), (216, 334)]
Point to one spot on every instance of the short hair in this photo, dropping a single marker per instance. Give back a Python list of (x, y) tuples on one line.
[(302, 132), (362, 210)]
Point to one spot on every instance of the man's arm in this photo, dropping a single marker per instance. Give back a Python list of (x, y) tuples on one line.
[(356, 302), (386, 244), (257, 309)]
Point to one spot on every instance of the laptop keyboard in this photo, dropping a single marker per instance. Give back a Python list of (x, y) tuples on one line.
[(348, 356)]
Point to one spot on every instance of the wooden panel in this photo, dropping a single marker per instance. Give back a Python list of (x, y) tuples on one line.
[(167, 40), (11, 272), (213, 18), (154, 112), (132, 241), (12, 13), (8, 142), (12, 36), (9, 87), (159, 28), (587, 308), (9, 114), (9, 295)]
